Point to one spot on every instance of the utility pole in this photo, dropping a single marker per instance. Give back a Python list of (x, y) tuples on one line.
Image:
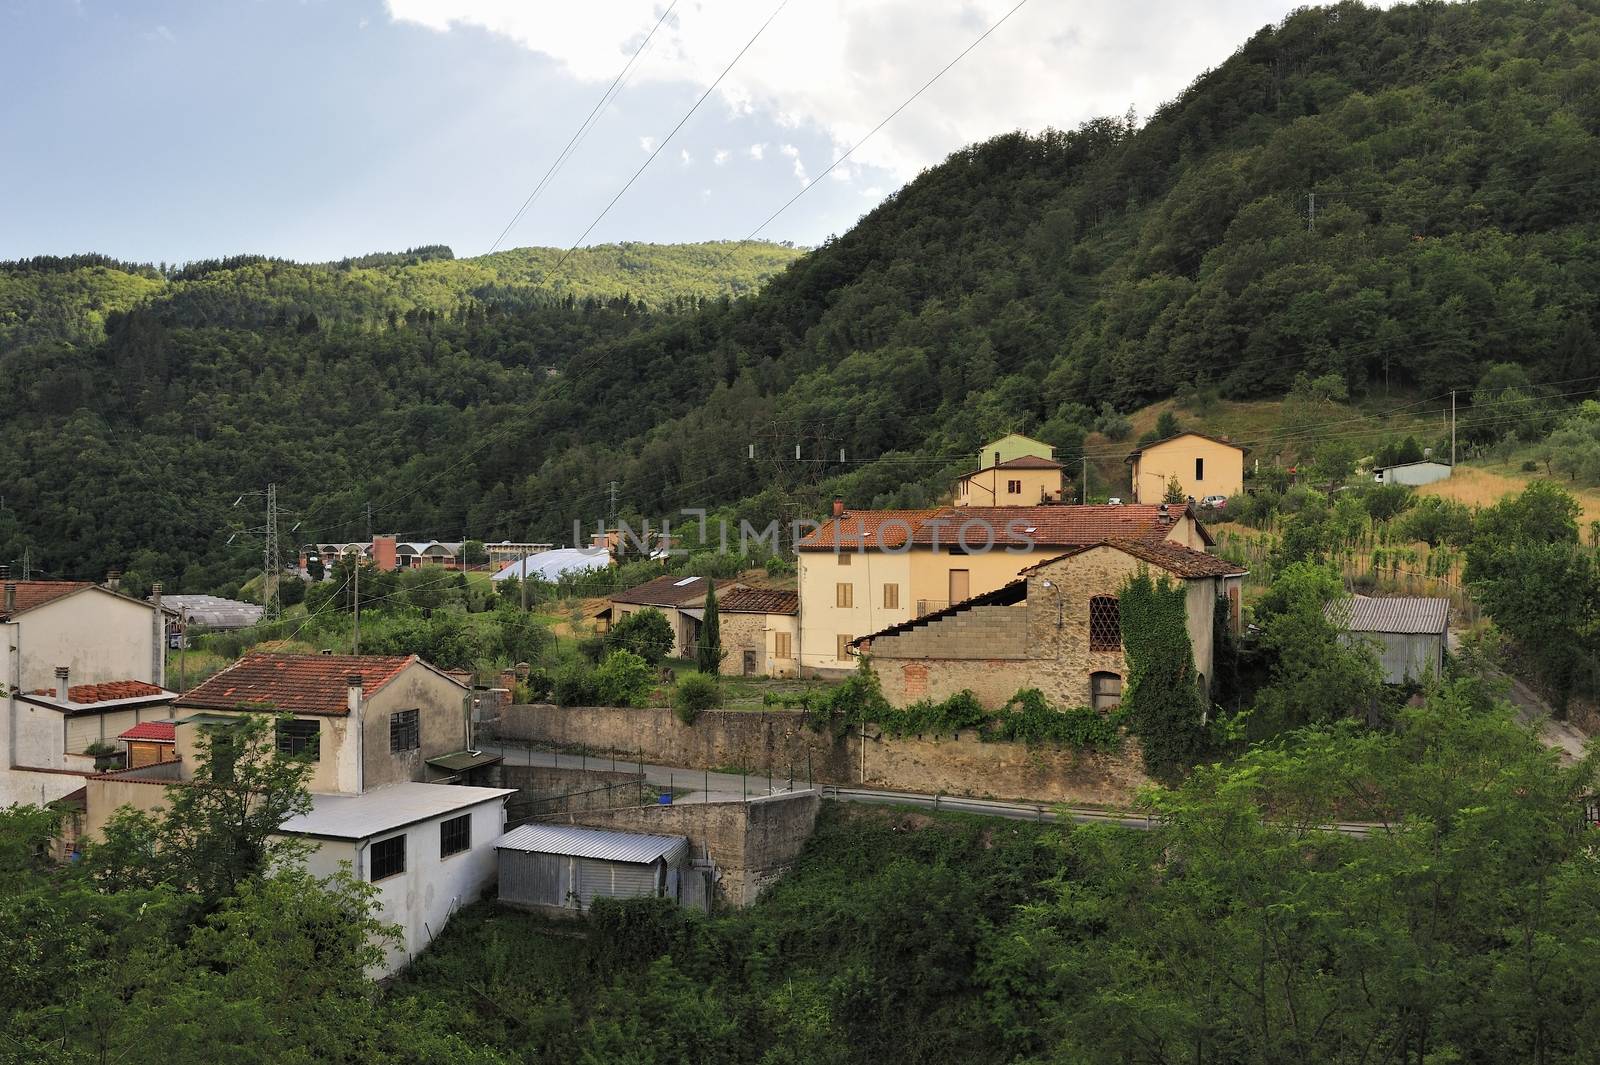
[(356, 601), (27, 564), (369, 521), (1311, 215), (1085, 498), (269, 567), (611, 510), (1452, 427)]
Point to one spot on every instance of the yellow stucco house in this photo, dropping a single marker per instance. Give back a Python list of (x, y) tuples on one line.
[(863, 571), (1203, 465)]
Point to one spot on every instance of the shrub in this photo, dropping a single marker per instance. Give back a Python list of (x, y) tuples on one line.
[(694, 694), (647, 633), (539, 685), (624, 679), (593, 648), (575, 684)]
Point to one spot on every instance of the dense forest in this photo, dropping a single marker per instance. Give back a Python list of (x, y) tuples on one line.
[(1399, 200)]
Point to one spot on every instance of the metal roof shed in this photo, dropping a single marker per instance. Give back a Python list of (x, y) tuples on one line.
[(565, 867)]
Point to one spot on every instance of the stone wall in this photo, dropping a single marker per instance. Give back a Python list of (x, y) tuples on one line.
[(743, 632), (752, 843), (776, 739), (545, 790)]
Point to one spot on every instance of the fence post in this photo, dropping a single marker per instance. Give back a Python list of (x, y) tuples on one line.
[(705, 794)]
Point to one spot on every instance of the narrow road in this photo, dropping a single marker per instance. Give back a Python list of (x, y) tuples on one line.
[(1531, 710)]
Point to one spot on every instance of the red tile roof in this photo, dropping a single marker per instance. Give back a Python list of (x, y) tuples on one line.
[(151, 732), (1136, 452), (876, 529), (759, 601), (85, 694), (1023, 462), (981, 527), (671, 590), (1174, 558), (301, 684), (37, 593)]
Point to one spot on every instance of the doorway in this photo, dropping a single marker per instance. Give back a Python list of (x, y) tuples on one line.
[(960, 585), (749, 663)]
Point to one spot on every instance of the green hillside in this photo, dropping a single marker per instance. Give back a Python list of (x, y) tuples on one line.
[(1034, 283), (69, 298)]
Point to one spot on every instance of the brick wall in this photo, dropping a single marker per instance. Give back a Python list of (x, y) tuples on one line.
[(982, 632)]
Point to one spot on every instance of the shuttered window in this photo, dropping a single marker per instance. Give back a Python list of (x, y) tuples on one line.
[(844, 646), (891, 596), (781, 647), (844, 595)]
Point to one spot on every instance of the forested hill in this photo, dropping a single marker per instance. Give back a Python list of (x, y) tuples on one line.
[(69, 297), (1023, 284)]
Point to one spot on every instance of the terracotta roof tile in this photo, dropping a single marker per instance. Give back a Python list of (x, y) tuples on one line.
[(1026, 462), (670, 590), (871, 528), (759, 601), (151, 732), (1174, 558), (302, 684), (37, 593), (86, 694)]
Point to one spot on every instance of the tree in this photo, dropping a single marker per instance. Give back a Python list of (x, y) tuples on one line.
[(314, 569), (647, 633), (708, 652), (623, 679), (473, 553), (1174, 492), (1319, 673), (1162, 695), (1167, 425), (220, 828)]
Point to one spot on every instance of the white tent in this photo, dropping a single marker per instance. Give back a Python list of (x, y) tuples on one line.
[(553, 565)]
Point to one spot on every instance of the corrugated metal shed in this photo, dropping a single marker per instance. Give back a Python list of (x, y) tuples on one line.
[(552, 565), (1392, 614), (599, 843), (214, 612)]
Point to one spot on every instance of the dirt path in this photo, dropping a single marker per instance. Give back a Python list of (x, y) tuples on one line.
[(1563, 736)]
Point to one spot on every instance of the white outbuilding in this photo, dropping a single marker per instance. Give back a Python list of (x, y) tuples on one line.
[(1412, 473)]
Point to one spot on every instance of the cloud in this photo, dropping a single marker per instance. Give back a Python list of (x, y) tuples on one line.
[(684, 158), (720, 157), (758, 152), (160, 33), (647, 144), (800, 174), (837, 67)]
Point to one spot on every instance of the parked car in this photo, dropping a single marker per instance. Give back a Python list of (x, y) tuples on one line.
[(1115, 501), (1214, 502)]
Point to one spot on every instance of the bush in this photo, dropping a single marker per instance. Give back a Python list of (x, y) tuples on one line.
[(647, 633), (694, 694), (575, 684), (539, 685), (624, 679), (593, 648)]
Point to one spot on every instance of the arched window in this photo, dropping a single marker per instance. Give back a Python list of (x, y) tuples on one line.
[(1105, 623), (1105, 691)]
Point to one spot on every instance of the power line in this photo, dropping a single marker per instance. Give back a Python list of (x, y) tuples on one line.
[(888, 118), (668, 138), (583, 130)]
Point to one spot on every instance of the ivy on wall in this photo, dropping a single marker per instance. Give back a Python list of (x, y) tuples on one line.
[(1160, 697)]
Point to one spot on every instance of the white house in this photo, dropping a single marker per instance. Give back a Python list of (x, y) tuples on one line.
[(1413, 473), (83, 662), (428, 848)]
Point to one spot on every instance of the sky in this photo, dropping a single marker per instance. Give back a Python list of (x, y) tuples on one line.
[(314, 129)]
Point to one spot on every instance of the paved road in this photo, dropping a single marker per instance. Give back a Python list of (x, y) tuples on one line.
[(705, 786)]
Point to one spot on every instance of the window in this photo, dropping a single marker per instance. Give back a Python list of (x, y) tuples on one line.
[(1014, 487), (300, 738), (388, 858), (404, 732), (1105, 624), (843, 651), (1199, 469), (1105, 691), (455, 836), (781, 647), (891, 596), (844, 595), (844, 558)]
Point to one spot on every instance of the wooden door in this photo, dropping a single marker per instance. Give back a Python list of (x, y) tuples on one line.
[(960, 583)]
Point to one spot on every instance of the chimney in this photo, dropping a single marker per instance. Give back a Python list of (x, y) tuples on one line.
[(113, 578), (158, 654), (11, 599), (353, 692), (1162, 513), (838, 507), (62, 685)]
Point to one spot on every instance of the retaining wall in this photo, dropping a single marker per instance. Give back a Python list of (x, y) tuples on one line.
[(775, 740)]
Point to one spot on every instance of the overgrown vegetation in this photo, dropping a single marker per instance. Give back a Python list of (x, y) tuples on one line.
[(1162, 697)]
